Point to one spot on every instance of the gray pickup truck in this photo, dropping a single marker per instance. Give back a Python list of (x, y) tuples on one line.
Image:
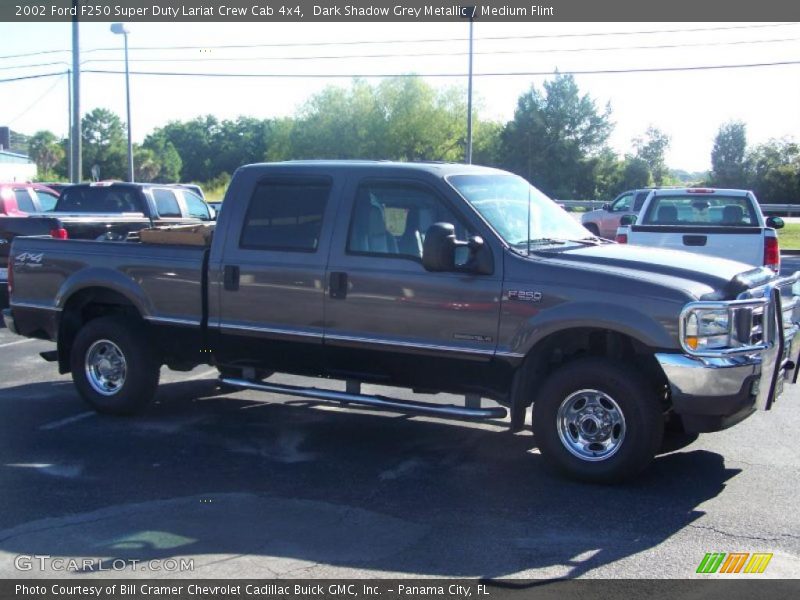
[(434, 277)]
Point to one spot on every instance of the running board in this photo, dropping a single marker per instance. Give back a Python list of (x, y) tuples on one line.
[(382, 402)]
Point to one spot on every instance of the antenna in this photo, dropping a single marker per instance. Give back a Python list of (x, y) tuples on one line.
[(529, 218)]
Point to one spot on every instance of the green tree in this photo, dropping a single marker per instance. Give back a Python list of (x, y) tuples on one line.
[(651, 148), (46, 151), (194, 141), (104, 144), (554, 136), (728, 156), (774, 172), (165, 157)]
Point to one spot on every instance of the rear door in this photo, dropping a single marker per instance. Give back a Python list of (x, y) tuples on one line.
[(267, 289), (387, 318)]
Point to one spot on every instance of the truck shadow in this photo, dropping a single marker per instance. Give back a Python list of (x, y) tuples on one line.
[(250, 489)]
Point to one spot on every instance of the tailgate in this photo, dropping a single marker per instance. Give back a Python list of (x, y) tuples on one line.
[(743, 244)]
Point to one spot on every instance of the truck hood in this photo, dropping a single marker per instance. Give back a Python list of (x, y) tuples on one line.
[(725, 278)]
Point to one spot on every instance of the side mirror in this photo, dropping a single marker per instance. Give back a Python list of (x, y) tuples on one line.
[(439, 251), (775, 222), (607, 207), (627, 220)]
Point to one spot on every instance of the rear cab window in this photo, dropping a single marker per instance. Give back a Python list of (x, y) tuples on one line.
[(286, 214), (24, 200), (100, 200), (701, 210)]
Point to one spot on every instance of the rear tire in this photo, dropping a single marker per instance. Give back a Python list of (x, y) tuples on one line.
[(113, 366), (597, 422)]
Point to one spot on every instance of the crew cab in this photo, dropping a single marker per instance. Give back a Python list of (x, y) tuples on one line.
[(435, 277), (112, 210), (715, 222)]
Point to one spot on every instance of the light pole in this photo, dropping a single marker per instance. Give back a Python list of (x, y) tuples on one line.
[(468, 12), (121, 28)]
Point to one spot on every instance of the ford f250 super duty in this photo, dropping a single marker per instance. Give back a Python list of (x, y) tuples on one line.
[(436, 277)]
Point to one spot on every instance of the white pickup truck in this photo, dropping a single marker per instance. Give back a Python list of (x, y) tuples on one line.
[(715, 222)]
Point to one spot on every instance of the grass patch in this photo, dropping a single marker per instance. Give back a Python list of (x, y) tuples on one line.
[(789, 236)]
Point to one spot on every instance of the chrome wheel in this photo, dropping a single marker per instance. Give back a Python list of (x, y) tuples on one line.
[(106, 367), (591, 425)]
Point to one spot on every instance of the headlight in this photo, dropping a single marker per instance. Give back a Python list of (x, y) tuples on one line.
[(708, 329)]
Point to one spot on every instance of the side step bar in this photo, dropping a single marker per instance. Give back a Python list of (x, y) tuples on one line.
[(383, 402)]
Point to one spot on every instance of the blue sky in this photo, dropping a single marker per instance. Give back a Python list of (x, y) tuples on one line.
[(688, 105)]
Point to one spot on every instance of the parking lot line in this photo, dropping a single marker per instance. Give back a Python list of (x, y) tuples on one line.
[(67, 421), (16, 342)]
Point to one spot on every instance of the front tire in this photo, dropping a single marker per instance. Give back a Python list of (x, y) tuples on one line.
[(113, 366), (597, 422)]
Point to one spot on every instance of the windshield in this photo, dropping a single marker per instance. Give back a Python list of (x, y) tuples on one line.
[(505, 202)]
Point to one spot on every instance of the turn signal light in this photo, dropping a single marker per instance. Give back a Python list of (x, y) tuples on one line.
[(622, 238), (59, 234)]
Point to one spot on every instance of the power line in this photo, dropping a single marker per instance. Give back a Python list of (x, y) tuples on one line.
[(22, 78), (35, 102), (33, 66), (433, 54), (419, 41), (490, 74)]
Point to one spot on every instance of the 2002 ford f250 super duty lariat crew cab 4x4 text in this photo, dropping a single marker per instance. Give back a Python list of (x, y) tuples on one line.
[(436, 277)]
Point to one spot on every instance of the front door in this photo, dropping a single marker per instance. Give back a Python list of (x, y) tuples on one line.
[(387, 318)]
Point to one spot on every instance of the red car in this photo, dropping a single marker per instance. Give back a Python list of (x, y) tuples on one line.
[(18, 199)]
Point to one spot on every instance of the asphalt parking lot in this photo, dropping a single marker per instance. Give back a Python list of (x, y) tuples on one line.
[(253, 485)]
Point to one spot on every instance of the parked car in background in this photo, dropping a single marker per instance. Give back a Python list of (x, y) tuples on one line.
[(56, 186), (603, 222), (217, 206), (192, 187), (90, 211), (19, 199), (715, 222)]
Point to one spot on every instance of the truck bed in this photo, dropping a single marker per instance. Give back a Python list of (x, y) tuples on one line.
[(164, 281)]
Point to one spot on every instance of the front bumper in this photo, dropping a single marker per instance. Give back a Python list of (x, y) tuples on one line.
[(711, 394)]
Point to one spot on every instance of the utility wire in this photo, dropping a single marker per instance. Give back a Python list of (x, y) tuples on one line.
[(407, 41), (39, 99), (425, 54), (490, 74), (47, 64), (22, 78)]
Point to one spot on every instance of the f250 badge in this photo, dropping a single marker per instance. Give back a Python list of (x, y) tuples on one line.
[(525, 295), (28, 259)]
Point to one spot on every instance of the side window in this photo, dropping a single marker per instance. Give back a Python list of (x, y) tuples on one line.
[(196, 206), (392, 219), (46, 200), (24, 201), (623, 204), (166, 203), (286, 214)]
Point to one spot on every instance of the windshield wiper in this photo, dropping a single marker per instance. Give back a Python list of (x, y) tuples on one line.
[(546, 241), (541, 242)]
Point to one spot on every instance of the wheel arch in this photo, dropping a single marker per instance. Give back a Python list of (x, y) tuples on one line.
[(84, 305), (562, 346)]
